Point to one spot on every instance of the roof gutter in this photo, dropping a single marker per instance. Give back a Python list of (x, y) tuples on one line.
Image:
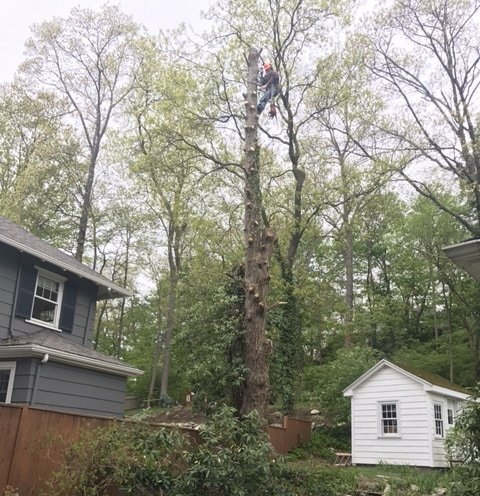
[(432, 388), (104, 282), (466, 255), (35, 350)]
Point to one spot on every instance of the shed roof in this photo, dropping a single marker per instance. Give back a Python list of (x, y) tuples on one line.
[(17, 237), (59, 349), (431, 382)]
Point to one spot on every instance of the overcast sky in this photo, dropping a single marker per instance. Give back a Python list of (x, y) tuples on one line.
[(18, 15)]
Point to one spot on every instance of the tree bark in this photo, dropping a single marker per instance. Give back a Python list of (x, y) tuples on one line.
[(258, 251), (173, 266), (159, 339)]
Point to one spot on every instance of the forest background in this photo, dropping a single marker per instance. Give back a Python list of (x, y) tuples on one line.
[(125, 149)]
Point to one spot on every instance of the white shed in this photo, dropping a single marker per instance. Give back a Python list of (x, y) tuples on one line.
[(401, 416)]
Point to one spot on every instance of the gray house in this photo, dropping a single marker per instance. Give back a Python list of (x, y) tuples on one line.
[(47, 309)]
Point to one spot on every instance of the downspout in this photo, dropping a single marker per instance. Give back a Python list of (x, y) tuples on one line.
[(37, 375), (14, 305)]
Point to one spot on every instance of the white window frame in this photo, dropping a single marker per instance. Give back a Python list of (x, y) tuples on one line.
[(438, 407), (11, 366), (450, 416), (61, 282), (381, 419)]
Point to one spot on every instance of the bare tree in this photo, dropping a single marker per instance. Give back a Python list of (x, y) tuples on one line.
[(90, 59), (259, 241), (426, 54)]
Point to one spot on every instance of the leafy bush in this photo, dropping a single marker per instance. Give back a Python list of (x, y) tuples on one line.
[(463, 446), (295, 479), (131, 456), (463, 440), (324, 442), (329, 380), (465, 480), (233, 459)]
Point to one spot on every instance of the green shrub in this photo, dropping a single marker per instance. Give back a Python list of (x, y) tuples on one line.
[(463, 446), (465, 480), (130, 456), (305, 479), (328, 381), (233, 458), (324, 442)]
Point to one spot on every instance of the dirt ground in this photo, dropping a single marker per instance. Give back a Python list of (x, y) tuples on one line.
[(178, 414), (181, 414)]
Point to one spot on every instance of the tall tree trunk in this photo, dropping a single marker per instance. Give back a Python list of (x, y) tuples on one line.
[(156, 354), (121, 320), (86, 205), (258, 251), (347, 252), (447, 298), (172, 301), (348, 261), (434, 303)]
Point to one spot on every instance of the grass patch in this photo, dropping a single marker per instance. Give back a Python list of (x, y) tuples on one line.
[(314, 477), (324, 442), (402, 480)]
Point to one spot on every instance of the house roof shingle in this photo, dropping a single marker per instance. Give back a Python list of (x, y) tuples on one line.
[(64, 350), (15, 236)]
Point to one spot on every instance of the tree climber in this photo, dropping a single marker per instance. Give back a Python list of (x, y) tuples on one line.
[(269, 81)]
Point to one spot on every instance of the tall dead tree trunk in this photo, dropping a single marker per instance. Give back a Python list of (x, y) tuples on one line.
[(347, 253), (159, 340), (258, 251), (175, 234)]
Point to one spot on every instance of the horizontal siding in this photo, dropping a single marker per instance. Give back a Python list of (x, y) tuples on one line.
[(8, 264), (439, 455), (412, 446), (6, 295), (81, 320), (86, 294), (24, 379), (4, 324), (8, 276), (80, 390), (54, 385), (69, 374)]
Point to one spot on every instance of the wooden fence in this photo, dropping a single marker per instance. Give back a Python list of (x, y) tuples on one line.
[(294, 432), (33, 440)]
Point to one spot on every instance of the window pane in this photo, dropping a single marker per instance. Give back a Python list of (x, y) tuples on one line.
[(46, 301), (44, 310), (47, 288), (437, 409), (389, 418), (4, 376)]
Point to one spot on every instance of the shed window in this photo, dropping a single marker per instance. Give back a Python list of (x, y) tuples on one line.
[(437, 409), (389, 419), (450, 416), (7, 375)]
